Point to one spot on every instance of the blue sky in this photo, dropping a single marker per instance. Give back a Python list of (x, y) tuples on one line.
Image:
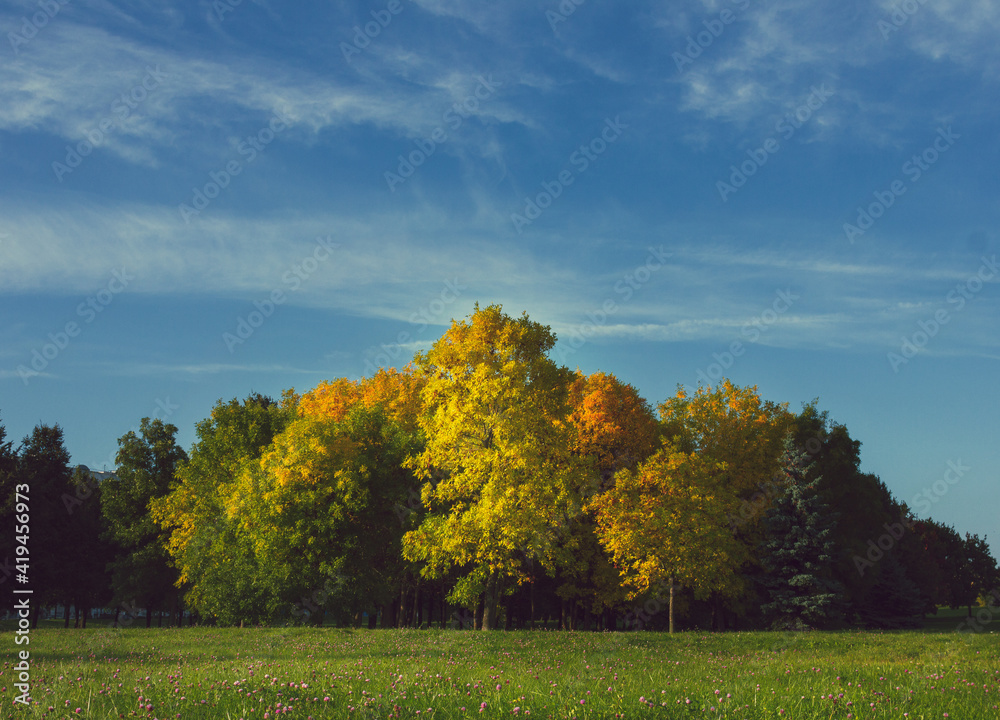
[(201, 199)]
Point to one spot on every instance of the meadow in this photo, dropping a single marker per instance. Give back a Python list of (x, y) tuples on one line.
[(265, 673)]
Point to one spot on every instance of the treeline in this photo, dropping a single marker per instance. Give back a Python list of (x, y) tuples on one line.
[(484, 486)]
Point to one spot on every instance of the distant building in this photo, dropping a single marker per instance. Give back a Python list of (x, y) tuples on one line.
[(96, 474)]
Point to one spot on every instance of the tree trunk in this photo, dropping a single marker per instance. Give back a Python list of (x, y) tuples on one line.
[(86, 612), (418, 619), (671, 612), (76, 616), (159, 618), (490, 601), (149, 618), (117, 613), (66, 616), (389, 617), (531, 598)]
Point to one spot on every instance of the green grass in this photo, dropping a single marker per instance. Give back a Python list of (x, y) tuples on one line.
[(193, 673)]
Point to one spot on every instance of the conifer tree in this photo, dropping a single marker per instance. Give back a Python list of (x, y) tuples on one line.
[(797, 554)]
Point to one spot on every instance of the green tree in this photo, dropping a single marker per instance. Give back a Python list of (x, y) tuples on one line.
[(498, 463), (146, 463), (796, 554), (984, 574), (215, 559), (319, 510)]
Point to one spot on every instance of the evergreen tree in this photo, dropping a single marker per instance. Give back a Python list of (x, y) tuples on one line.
[(797, 552), (8, 479), (43, 464)]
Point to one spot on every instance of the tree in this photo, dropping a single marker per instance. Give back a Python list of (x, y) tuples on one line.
[(8, 504), (734, 427), (983, 571), (499, 470), (613, 424), (864, 507), (215, 560), (614, 428), (146, 463), (666, 522), (894, 601), (318, 508), (797, 557), (43, 464), (730, 425), (90, 580)]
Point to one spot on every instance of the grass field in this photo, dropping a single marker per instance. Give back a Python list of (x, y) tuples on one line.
[(304, 673)]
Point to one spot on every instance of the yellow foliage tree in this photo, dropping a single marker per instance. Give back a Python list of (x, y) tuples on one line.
[(665, 521), (498, 454)]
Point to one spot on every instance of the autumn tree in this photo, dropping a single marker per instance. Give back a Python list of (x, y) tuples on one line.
[(666, 522), (498, 465), (614, 428), (732, 426)]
